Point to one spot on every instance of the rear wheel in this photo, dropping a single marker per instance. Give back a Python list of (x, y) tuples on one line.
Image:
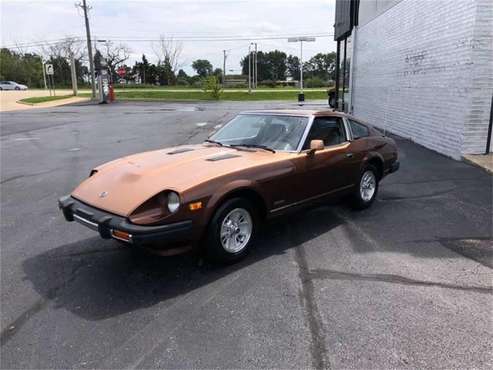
[(231, 231), (367, 189)]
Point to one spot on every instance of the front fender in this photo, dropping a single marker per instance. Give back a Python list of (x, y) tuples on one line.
[(227, 190)]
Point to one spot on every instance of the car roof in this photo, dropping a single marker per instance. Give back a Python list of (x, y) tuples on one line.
[(297, 112)]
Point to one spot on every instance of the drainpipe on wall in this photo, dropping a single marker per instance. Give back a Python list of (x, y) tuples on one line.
[(338, 60), (490, 127), (351, 71)]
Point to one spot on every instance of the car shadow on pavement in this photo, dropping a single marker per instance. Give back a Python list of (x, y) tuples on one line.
[(97, 279)]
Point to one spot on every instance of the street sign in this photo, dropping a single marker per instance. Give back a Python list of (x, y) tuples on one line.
[(300, 39), (303, 38), (121, 72), (49, 69)]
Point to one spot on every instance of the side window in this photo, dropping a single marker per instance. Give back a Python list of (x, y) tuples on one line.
[(328, 129), (358, 129)]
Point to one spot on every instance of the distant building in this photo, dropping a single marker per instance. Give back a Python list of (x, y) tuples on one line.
[(418, 68)]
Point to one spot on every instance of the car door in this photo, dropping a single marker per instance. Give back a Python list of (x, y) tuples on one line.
[(360, 142), (329, 170)]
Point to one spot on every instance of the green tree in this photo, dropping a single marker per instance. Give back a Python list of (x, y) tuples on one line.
[(277, 64), (141, 69), (153, 74), (202, 67), (182, 74), (165, 73), (62, 76), (270, 66), (218, 72), (22, 68), (321, 66), (293, 67), (211, 86), (97, 60), (144, 66)]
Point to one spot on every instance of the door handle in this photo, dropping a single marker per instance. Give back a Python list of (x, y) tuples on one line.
[(349, 155)]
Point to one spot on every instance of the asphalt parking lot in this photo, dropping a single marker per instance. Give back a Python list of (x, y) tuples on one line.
[(404, 284)]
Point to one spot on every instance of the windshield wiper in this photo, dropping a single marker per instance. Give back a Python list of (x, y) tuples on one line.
[(264, 147), (213, 142)]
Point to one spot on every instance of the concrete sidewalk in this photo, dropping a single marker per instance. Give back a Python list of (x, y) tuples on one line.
[(9, 99), (484, 161)]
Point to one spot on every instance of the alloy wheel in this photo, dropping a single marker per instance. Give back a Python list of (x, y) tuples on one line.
[(236, 230)]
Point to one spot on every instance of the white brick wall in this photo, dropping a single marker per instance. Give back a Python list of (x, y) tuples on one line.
[(423, 70), (476, 127)]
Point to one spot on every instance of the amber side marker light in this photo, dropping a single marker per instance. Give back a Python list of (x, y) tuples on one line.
[(195, 206), (121, 235)]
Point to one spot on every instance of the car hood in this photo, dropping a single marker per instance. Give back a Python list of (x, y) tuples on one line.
[(122, 185)]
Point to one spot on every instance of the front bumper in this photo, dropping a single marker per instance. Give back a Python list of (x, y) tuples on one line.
[(109, 225)]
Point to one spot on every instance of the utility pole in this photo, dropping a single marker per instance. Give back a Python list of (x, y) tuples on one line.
[(89, 48), (73, 74), (44, 73), (224, 68), (249, 69), (301, 66), (255, 68)]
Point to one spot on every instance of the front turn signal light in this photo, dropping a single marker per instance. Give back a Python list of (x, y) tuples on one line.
[(195, 206), (121, 235)]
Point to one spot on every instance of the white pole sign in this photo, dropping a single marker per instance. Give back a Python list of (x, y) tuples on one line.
[(49, 69), (300, 40)]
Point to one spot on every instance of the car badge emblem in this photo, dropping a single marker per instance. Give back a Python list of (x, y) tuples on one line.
[(103, 194)]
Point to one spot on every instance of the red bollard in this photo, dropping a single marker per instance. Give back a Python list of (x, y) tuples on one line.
[(112, 93)]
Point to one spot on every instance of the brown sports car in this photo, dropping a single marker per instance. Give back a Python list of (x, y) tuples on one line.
[(259, 165)]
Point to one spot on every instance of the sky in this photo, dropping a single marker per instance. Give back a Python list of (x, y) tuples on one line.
[(37, 21)]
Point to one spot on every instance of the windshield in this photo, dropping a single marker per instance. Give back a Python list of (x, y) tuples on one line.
[(276, 132)]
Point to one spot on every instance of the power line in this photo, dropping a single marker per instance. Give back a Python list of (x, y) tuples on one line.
[(221, 38), (183, 39)]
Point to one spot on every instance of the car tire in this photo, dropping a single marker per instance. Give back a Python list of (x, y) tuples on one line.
[(17, 88), (231, 231), (367, 188)]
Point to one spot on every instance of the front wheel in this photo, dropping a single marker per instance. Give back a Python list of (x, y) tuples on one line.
[(367, 189), (231, 231)]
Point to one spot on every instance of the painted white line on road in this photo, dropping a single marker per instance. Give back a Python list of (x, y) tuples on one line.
[(201, 124), (74, 150), (26, 138)]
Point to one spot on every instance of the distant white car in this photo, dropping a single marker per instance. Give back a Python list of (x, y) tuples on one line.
[(11, 85)]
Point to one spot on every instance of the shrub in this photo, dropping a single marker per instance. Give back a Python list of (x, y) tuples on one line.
[(180, 81), (212, 86), (315, 82), (268, 83), (199, 84), (135, 86), (238, 85)]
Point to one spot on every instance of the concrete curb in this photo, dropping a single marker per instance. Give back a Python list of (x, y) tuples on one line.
[(476, 164), (25, 103)]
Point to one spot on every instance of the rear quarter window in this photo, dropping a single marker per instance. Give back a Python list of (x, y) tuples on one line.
[(358, 129)]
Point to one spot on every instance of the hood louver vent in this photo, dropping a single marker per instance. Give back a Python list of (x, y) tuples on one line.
[(180, 150), (221, 157)]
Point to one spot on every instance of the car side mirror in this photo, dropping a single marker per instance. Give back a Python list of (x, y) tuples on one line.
[(316, 145)]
